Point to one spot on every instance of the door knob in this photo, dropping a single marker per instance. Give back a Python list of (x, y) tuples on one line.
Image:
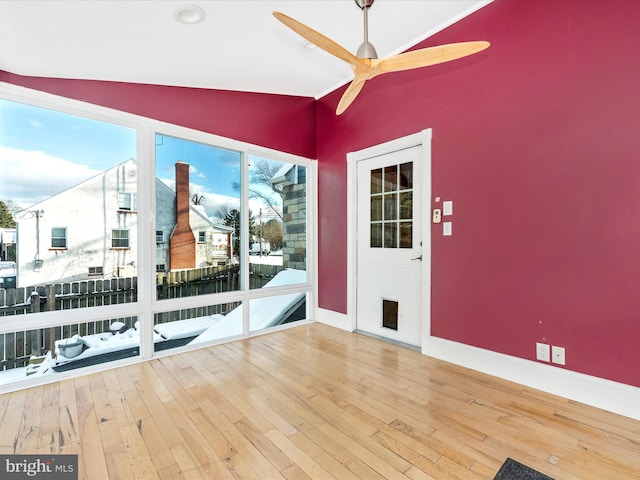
[(417, 258)]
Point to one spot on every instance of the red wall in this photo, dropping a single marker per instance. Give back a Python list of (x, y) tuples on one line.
[(536, 140), (256, 118)]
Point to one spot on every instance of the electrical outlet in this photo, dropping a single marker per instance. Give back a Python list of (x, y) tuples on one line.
[(543, 352), (557, 355)]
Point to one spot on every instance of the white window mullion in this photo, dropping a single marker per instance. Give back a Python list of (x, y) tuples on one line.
[(146, 237), (244, 237)]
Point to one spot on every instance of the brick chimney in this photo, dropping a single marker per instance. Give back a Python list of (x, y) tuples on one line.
[(182, 244)]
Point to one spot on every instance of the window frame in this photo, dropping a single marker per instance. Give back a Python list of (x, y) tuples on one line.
[(54, 238), (96, 271), (120, 238), (127, 201), (146, 304)]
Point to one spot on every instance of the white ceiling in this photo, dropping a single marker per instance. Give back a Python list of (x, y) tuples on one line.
[(238, 46)]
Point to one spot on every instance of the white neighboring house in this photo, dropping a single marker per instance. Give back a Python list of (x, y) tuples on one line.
[(7, 241), (90, 231)]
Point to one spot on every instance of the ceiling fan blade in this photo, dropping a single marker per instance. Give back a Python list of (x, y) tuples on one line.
[(317, 39), (427, 56), (351, 93)]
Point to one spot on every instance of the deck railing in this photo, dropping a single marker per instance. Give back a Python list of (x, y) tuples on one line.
[(16, 348)]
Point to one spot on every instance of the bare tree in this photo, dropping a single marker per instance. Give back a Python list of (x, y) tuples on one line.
[(261, 173), (197, 198), (222, 213)]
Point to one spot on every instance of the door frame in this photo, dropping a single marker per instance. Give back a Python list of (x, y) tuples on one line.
[(423, 140)]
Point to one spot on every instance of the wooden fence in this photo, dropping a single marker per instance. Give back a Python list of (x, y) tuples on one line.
[(17, 347)]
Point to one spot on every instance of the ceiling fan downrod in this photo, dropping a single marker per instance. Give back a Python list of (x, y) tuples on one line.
[(366, 49)]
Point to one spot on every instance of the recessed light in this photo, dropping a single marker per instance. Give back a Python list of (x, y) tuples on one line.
[(189, 14)]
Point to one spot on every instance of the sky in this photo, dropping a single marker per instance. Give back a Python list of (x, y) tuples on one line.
[(44, 152)]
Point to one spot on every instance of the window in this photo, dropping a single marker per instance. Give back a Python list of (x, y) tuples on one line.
[(127, 201), (227, 202), (119, 238), (277, 223), (95, 271), (196, 201), (59, 237), (391, 205)]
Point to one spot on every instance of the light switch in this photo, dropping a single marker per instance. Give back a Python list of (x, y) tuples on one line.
[(446, 229), (447, 208)]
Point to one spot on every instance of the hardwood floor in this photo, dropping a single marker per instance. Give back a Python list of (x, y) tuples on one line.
[(312, 402)]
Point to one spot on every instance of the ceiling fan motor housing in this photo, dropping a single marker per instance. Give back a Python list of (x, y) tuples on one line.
[(366, 50), (364, 3)]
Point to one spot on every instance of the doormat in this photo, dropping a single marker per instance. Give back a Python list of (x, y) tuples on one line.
[(512, 470)]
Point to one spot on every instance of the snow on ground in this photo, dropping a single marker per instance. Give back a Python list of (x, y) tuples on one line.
[(275, 258), (264, 312)]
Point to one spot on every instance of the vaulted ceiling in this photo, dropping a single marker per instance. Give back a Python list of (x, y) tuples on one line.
[(238, 45)]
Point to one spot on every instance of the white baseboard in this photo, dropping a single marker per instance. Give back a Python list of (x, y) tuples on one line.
[(605, 394), (333, 319)]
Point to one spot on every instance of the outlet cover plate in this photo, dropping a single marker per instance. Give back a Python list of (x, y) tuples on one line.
[(557, 355), (543, 352)]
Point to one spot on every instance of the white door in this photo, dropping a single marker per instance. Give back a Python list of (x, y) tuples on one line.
[(389, 243)]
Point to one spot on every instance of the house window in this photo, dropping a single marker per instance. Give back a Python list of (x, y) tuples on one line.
[(95, 271), (159, 236), (119, 238), (202, 237), (161, 267), (391, 207), (59, 237), (127, 201)]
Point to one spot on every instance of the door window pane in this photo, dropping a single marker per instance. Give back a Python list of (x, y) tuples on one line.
[(376, 181), (390, 206), (406, 205), (376, 235), (390, 235), (376, 208), (406, 235), (391, 212), (406, 176), (391, 178)]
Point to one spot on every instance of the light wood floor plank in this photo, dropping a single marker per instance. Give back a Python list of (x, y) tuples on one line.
[(312, 403)]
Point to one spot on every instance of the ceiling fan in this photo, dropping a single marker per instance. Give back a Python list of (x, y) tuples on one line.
[(365, 63)]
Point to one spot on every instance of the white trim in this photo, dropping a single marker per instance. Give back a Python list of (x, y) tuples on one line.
[(597, 392), (423, 140), (333, 319)]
